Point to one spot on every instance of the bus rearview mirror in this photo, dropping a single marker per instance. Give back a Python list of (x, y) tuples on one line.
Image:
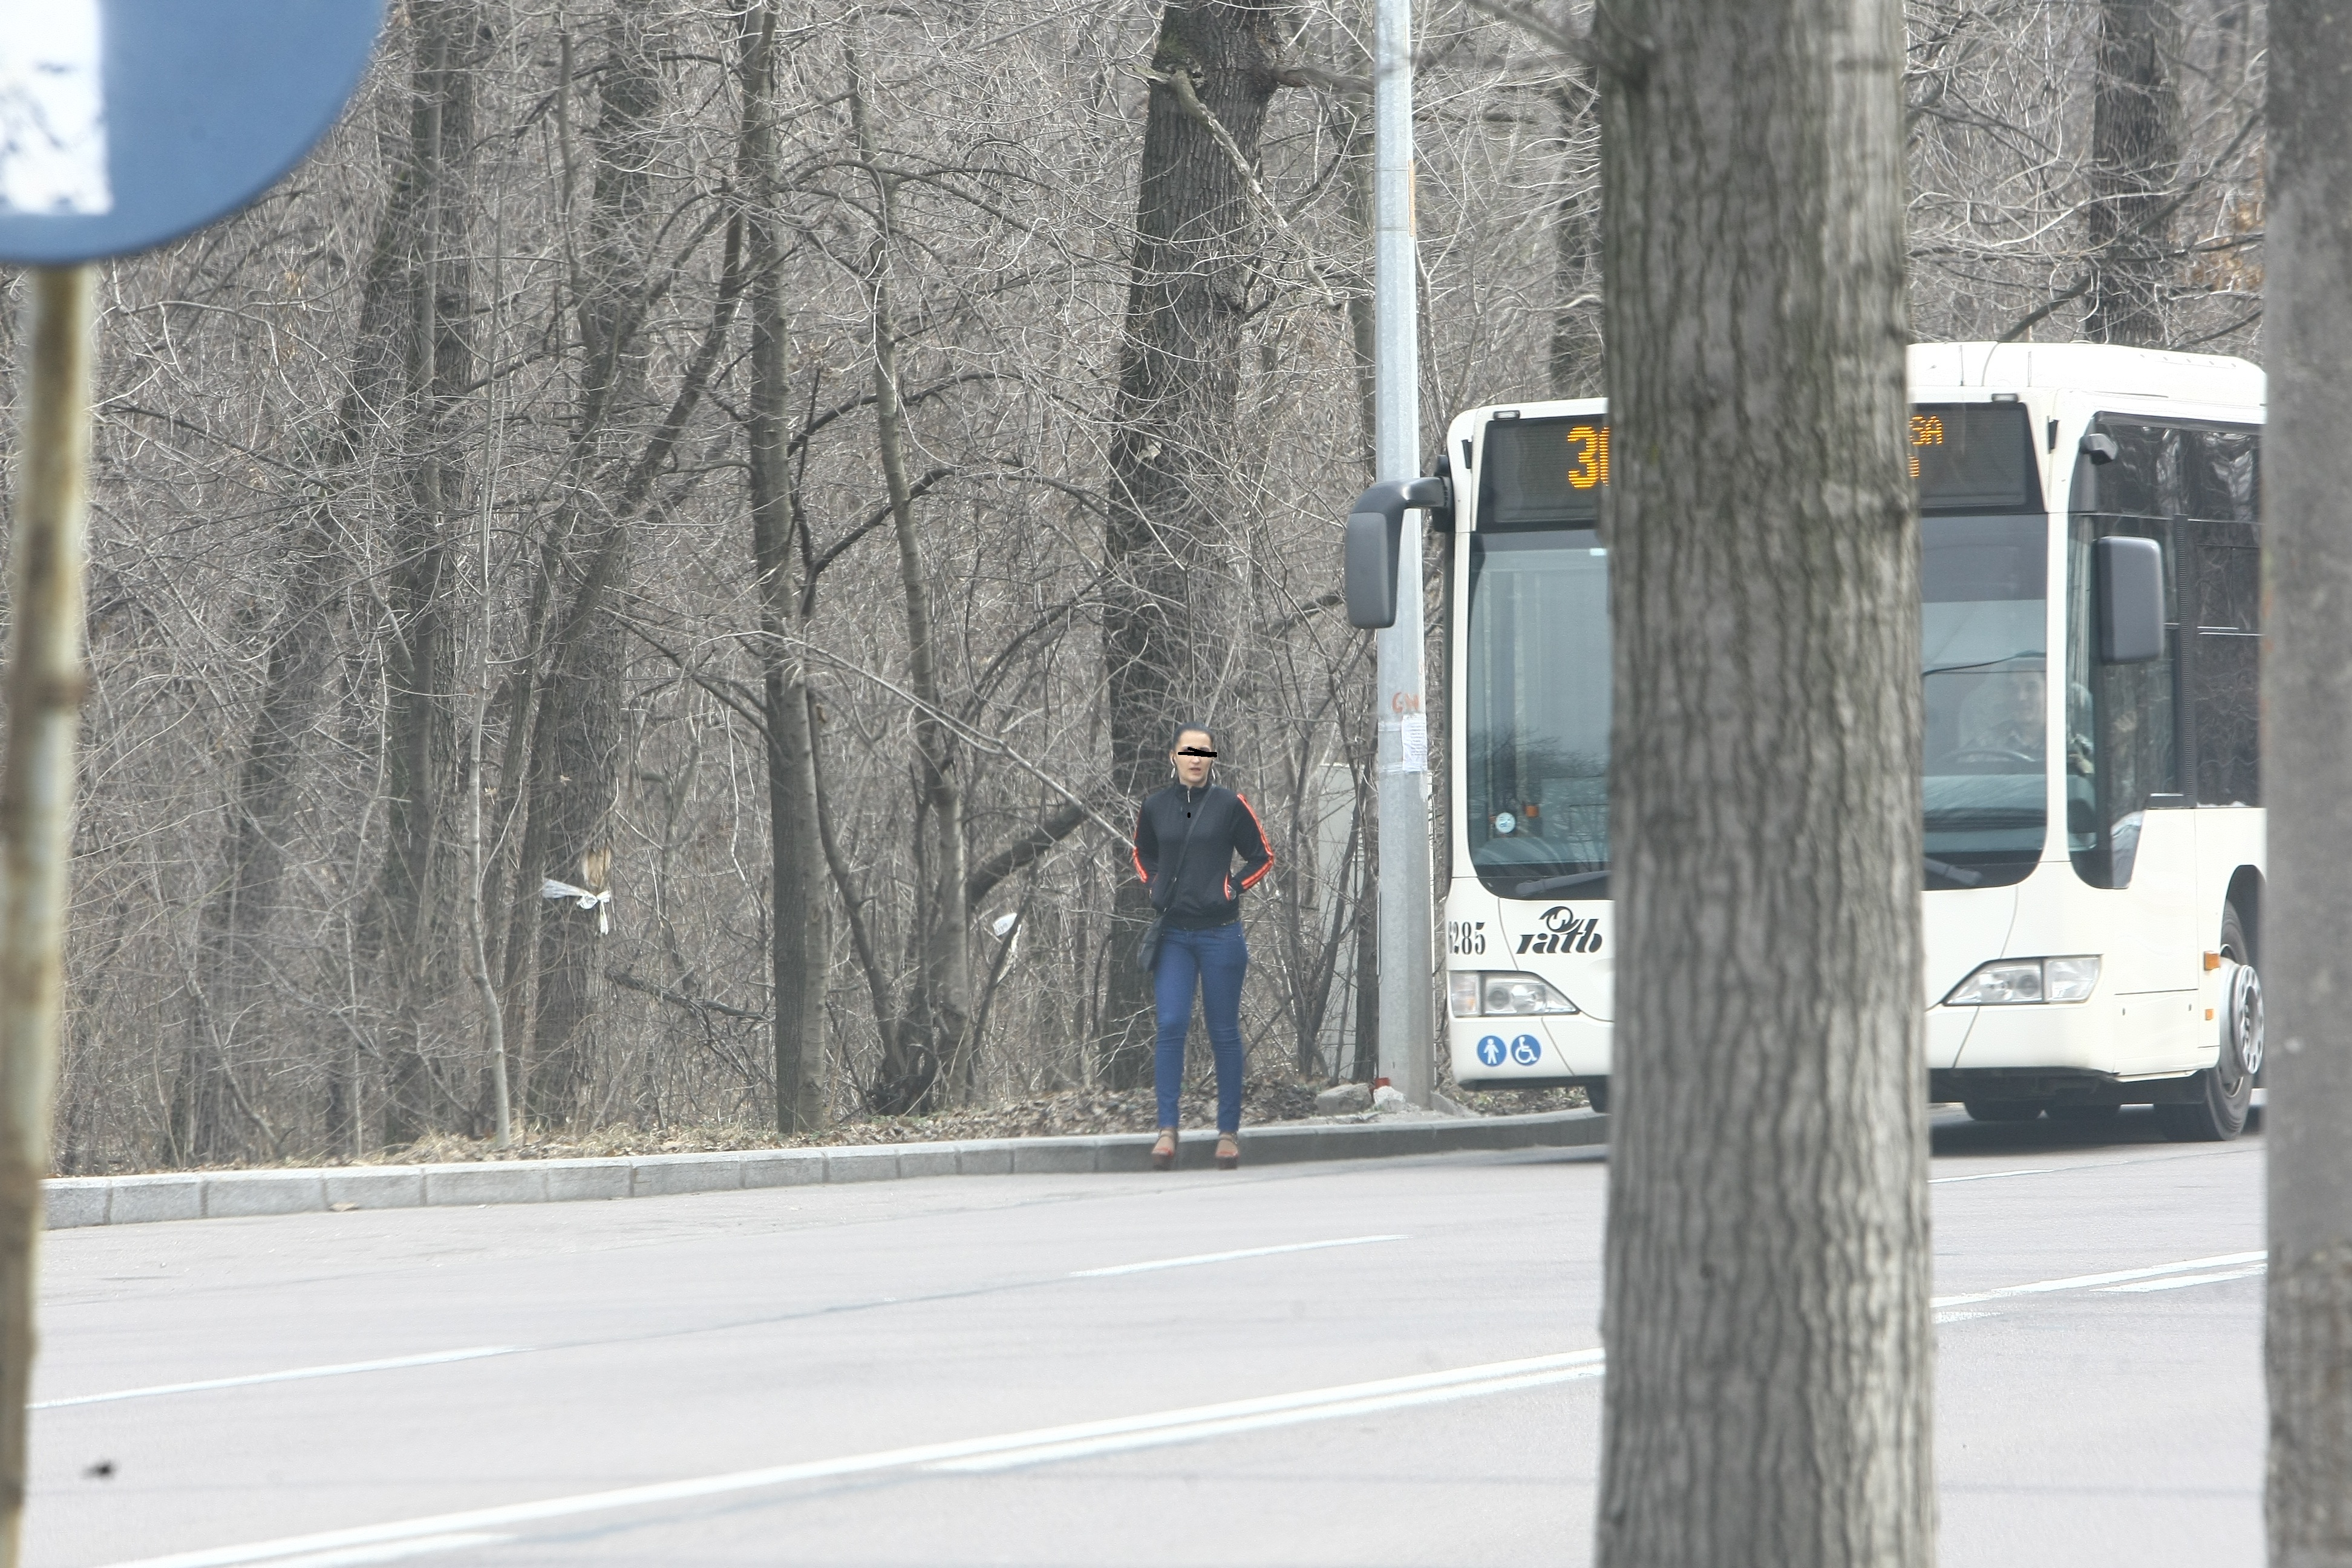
[(2131, 577), (1375, 540)]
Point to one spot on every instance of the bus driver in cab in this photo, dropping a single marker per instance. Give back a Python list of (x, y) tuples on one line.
[(2001, 719)]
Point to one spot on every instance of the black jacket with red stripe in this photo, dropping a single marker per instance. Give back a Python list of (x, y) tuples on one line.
[(1223, 825)]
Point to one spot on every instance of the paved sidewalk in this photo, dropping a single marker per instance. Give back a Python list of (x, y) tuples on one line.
[(73, 1201)]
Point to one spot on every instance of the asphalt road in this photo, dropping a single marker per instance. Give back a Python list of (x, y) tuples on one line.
[(974, 1371)]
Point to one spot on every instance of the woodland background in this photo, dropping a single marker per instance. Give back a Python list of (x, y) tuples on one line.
[(784, 466)]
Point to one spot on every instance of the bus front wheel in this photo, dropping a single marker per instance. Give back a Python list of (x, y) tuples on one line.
[(2225, 1091)]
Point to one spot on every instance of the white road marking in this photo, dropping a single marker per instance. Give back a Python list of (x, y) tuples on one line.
[(297, 1374), (1348, 1399), (338, 1548), (2176, 1281), (1992, 1175), (1228, 1256), (1332, 1410), (397, 1551), (395, 1362), (1959, 1317), (2092, 1281)]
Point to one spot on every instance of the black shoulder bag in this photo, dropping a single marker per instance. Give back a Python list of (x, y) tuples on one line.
[(1147, 948)]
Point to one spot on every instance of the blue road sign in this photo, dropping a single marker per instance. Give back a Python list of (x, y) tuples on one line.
[(125, 123), (1490, 1050), (1527, 1050)]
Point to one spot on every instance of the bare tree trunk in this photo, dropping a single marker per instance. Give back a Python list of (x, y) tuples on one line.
[(800, 941), (2134, 159), (234, 925), (233, 929), (420, 736), (1576, 351), (1350, 121), (577, 750), (478, 950), (1176, 430), (2307, 756), (945, 1000), (1766, 1308), (899, 1082)]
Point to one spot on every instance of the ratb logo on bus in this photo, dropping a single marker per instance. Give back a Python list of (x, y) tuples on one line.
[(1563, 933)]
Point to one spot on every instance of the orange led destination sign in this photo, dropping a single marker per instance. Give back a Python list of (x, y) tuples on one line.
[(1588, 447), (1543, 472), (1974, 457), (1967, 457), (1926, 430)]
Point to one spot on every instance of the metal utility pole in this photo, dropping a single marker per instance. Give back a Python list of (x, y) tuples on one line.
[(44, 682), (1408, 976)]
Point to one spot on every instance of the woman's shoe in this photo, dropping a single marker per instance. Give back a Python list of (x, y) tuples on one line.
[(1229, 1153), (1163, 1154)]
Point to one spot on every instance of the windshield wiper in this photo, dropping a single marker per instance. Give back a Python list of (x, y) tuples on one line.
[(1951, 873), (1982, 663), (1542, 885)]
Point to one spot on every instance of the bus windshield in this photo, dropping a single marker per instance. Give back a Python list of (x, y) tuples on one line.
[(1982, 627), (1536, 710), (1537, 723)]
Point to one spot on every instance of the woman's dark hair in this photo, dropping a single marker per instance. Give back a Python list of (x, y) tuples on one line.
[(1189, 728)]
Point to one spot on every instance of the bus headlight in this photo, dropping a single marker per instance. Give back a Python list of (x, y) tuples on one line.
[(1473, 995), (2013, 980)]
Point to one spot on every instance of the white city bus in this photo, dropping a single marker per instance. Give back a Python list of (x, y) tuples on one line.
[(2094, 830)]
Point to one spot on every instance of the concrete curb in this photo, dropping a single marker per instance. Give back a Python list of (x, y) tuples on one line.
[(76, 1201)]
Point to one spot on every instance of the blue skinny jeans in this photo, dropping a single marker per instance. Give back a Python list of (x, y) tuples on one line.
[(1215, 960)]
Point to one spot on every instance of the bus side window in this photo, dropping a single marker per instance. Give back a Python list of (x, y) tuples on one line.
[(2185, 726), (2124, 735), (2221, 672)]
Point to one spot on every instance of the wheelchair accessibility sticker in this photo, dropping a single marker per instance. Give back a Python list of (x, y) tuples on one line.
[(1490, 1050), (1527, 1050)]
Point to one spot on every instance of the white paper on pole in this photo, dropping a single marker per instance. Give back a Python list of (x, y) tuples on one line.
[(1415, 735), (52, 109)]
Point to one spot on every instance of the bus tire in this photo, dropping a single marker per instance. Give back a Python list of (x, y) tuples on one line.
[(2002, 1110), (1596, 1095), (2225, 1091)]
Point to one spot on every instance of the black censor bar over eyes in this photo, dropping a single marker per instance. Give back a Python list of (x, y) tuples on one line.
[(1196, 752)]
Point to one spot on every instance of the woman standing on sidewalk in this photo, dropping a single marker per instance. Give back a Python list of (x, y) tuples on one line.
[(1186, 837)]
